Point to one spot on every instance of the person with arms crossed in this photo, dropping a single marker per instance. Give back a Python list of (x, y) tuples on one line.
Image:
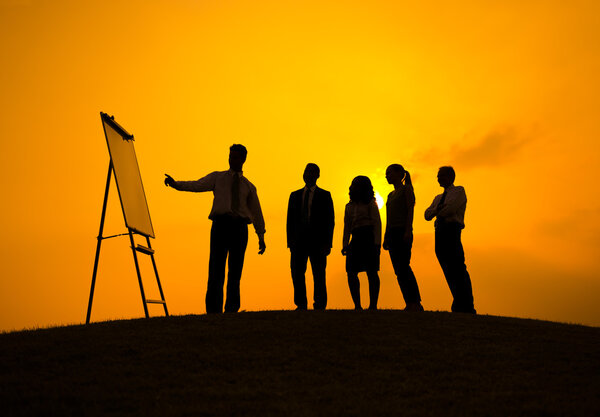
[(449, 210), (235, 205), (398, 237), (310, 223)]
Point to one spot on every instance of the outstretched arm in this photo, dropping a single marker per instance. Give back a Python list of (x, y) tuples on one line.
[(203, 184)]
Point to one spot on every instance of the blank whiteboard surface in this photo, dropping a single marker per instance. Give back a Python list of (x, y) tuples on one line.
[(127, 175)]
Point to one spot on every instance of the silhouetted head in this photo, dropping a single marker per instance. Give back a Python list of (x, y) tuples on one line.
[(395, 174), (446, 176), (311, 174), (361, 190), (237, 157)]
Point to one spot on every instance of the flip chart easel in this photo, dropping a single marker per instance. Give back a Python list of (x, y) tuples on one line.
[(123, 164)]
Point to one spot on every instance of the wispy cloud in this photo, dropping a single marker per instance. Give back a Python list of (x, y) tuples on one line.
[(495, 148)]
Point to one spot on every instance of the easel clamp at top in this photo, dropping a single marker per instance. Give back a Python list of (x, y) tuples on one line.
[(120, 129)]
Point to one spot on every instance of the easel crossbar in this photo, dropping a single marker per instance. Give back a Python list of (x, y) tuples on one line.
[(109, 237), (156, 302)]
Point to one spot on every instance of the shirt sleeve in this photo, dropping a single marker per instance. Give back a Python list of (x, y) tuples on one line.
[(374, 214), (430, 212), (410, 197), (453, 202), (330, 220), (289, 225), (387, 210), (410, 207), (206, 183), (347, 226), (256, 212)]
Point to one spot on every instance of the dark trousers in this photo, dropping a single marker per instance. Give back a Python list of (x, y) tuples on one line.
[(400, 253), (298, 263), (450, 254), (228, 238)]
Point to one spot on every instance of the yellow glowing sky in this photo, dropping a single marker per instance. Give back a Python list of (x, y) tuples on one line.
[(505, 91)]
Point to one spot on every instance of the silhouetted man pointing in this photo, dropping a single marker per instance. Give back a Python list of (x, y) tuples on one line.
[(235, 205)]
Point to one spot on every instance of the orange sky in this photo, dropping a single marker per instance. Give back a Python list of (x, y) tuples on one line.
[(507, 93)]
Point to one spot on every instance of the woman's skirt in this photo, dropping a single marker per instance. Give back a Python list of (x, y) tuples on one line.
[(362, 254)]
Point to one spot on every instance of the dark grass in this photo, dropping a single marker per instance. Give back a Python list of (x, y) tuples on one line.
[(344, 363)]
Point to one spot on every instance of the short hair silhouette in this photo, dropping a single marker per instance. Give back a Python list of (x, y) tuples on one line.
[(314, 166), (448, 170), (361, 190), (236, 147)]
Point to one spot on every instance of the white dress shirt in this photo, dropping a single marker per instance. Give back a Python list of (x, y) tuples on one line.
[(219, 182), (453, 209)]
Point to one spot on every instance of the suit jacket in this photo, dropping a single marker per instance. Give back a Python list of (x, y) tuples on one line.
[(319, 233)]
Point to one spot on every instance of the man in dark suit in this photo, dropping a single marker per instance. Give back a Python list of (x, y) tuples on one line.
[(310, 222)]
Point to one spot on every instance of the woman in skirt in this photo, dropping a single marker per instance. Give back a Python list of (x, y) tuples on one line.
[(362, 240)]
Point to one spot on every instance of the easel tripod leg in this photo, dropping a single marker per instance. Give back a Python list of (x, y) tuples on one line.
[(137, 268), (162, 295), (89, 309)]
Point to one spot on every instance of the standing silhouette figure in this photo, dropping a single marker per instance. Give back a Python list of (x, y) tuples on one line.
[(398, 237), (235, 205), (310, 223), (449, 210), (362, 240)]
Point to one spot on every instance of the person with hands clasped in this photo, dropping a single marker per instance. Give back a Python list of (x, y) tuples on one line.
[(362, 240), (449, 210), (235, 205), (398, 237)]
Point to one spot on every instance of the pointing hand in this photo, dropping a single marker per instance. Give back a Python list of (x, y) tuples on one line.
[(169, 181)]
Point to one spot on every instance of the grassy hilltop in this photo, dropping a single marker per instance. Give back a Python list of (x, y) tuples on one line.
[(345, 363)]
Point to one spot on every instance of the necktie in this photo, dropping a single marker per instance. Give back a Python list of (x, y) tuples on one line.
[(235, 193), (442, 199), (305, 206)]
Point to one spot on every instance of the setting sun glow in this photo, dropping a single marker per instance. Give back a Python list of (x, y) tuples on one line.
[(506, 92), (380, 201)]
